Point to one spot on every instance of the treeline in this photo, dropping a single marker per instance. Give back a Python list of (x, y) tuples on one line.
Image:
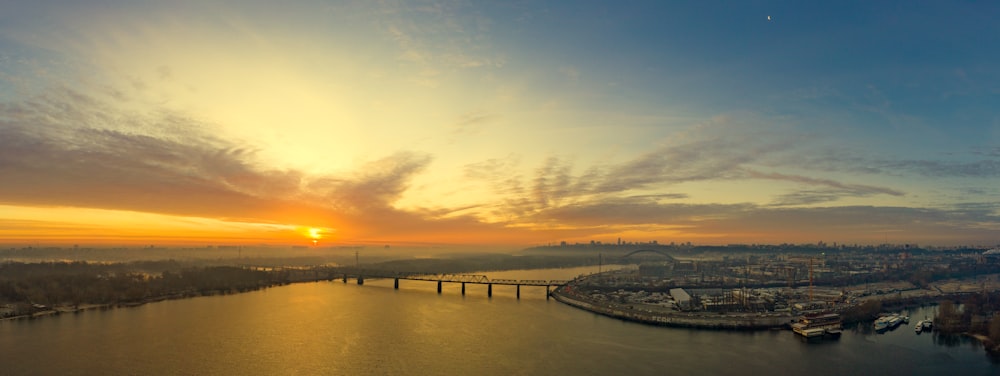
[(920, 275), (977, 314), (76, 283), (862, 312)]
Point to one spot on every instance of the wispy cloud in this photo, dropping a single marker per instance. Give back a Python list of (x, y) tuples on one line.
[(614, 196), (75, 150), (555, 189), (813, 196), (858, 189), (72, 149), (963, 163), (709, 153), (375, 186), (830, 190)]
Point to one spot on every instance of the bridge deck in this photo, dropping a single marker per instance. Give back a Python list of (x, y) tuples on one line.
[(444, 277), (452, 278)]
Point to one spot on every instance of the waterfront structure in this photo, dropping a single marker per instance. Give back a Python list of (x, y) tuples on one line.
[(816, 325), (681, 298)]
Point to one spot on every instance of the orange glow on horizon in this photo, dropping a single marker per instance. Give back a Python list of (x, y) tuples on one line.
[(66, 225)]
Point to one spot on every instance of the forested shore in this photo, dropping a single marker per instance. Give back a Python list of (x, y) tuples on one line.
[(977, 315), (32, 289)]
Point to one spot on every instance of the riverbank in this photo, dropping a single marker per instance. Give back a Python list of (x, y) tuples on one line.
[(863, 309), (991, 347), (755, 321), (70, 309), (52, 288)]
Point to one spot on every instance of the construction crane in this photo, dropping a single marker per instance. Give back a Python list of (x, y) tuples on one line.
[(810, 279)]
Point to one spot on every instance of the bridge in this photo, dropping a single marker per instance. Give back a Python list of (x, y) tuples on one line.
[(361, 274), (654, 251)]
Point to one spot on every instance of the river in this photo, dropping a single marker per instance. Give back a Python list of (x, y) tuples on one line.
[(334, 328)]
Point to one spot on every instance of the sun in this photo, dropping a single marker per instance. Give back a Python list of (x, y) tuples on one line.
[(314, 234)]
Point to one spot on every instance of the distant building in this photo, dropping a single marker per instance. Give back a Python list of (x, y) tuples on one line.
[(656, 270), (681, 297)]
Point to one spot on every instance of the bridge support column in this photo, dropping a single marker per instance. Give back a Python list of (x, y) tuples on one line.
[(489, 290), (361, 280), (463, 288), (439, 287), (345, 278), (519, 291), (547, 293), (395, 284)]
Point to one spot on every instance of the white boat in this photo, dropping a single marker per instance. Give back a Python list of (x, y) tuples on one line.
[(881, 323), (919, 327), (894, 321), (928, 324)]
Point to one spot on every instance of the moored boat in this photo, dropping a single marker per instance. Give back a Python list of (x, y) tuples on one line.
[(881, 324), (895, 320)]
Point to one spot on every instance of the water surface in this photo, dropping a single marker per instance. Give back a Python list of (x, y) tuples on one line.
[(335, 328)]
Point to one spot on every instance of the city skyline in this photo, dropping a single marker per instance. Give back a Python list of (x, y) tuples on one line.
[(465, 123)]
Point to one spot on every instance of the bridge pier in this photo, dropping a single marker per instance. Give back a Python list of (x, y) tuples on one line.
[(361, 280), (519, 291), (345, 278), (547, 293), (439, 286), (463, 288), (395, 285), (489, 290)]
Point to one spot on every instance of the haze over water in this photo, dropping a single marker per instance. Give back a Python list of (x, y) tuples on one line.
[(334, 328)]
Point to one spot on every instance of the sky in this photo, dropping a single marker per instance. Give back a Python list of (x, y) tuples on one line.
[(510, 122)]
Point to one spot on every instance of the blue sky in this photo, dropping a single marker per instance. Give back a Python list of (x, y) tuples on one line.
[(503, 122)]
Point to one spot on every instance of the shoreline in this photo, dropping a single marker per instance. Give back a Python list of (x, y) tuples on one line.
[(728, 321), (217, 288), (67, 309), (681, 320)]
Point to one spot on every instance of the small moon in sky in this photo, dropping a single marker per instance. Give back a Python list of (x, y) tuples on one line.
[(768, 18)]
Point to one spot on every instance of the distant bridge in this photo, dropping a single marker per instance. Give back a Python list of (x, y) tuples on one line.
[(360, 275), (661, 253)]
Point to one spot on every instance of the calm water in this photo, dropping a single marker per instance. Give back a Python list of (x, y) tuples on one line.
[(345, 329)]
